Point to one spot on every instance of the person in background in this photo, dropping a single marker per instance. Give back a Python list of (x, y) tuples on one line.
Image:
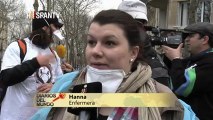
[(138, 10), (112, 54), (36, 73), (192, 76)]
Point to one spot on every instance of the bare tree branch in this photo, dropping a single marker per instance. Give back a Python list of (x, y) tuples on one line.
[(13, 24), (74, 14)]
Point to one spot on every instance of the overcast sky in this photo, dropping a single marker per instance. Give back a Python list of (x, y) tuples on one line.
[(103, 5), (107, 4)]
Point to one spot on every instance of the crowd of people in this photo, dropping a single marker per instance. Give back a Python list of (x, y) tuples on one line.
[(120, 56)]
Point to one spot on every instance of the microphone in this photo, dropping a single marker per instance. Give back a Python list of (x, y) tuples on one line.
[(86, 113)]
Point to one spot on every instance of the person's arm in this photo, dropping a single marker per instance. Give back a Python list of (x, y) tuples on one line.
[(177, 68), (20, 72), (13, 71), (196, 79), (177, 73), (189, 80)]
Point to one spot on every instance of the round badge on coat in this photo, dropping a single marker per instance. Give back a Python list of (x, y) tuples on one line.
[(44, 74)]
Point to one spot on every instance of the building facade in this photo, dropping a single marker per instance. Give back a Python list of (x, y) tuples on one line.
[(174, 14)]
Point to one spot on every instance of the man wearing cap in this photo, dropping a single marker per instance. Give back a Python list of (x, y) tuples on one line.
[(192, 77), (138, 11), (36, 73)]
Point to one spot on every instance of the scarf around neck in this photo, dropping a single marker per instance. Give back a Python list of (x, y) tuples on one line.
[(138, 81), (135, 80)]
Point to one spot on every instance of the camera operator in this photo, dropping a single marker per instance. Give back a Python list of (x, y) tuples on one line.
[(191, 76), (138, 11)]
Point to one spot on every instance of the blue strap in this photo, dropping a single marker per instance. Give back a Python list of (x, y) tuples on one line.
[(62, 84), (188, 112)]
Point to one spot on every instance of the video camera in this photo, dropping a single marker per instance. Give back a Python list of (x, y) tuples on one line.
[(169, 37)]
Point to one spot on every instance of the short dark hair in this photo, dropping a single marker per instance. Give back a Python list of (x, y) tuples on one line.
[(202, 28), (40, 38), (127, 23), (210, 41)]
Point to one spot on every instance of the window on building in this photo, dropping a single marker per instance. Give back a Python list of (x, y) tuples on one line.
[(203, 11), (183, 13)]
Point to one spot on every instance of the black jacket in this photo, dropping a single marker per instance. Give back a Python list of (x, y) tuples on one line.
[(159, 69), (193, 81), (17, 74)]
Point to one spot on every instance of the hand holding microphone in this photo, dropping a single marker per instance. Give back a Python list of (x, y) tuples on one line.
[(66, 67), (86, 113)]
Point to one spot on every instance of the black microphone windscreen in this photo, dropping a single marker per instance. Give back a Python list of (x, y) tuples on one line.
[(94, 87)]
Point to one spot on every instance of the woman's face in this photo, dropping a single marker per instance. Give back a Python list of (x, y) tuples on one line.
[(108, 48)]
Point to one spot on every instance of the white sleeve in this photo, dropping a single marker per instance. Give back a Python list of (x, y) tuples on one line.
[(11, 56), (58, 71)]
